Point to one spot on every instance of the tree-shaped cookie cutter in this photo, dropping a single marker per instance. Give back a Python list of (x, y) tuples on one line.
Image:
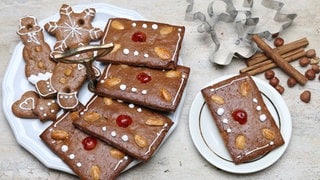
[(232, 29), (91, 72)]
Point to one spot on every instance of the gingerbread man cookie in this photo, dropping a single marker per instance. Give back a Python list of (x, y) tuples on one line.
[(30, 105), (36, 52), (71, 31)]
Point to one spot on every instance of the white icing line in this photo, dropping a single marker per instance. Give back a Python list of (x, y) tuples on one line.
[(158, 135), (121, 161), (179, 89)]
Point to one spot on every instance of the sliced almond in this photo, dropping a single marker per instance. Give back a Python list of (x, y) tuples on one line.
[(95, 172), (107, 101), (244, 88), (117, 25), (166, 30), (91, 116), (59, 134), (68, 72), (74, 115), (217, 99), (154, 121), (115, 153), (40, 64), (116, 47), (63, 80), (268, 134), (163, 53), (112, 81), (240, 142), (165, 94), (140, 140), (173, 74)]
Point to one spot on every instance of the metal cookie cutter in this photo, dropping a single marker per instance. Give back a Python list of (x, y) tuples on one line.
[(99, 50)]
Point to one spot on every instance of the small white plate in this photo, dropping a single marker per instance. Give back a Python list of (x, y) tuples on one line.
[(207, 139), (27, 131)]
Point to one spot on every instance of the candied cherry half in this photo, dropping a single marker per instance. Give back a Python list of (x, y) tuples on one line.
[(139, 37), (143, 77), (240, 116), (89, 143), (124, 120)]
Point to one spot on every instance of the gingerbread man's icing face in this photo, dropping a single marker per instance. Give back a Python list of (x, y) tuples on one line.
[(73, 29)]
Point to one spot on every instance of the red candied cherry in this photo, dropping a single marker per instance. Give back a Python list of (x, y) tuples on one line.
[(89, 143), (240, 116), (143, 77), (139, 37), (124, 120)]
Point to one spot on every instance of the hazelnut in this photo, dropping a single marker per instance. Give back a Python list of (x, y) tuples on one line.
[(269, 74), (278, 42), (315, 68), (304, 61), (311, 53), (305, 96), (310, 74), (279, 88), (291, 82), (274, 81)]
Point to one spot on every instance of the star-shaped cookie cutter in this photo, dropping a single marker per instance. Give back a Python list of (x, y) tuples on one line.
[(232, 29)]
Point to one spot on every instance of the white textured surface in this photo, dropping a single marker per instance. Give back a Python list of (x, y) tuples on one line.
[(178, 158)]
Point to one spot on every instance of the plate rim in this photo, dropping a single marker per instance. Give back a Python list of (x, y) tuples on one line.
[(17, 128), (245, 168)]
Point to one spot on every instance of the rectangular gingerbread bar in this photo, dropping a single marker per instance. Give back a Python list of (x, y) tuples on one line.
[(132, 129), (87, 156), (244, 122), (143, 43), (157, 89)]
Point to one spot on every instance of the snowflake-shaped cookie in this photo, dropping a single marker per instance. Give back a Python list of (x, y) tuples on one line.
[(73, 29)]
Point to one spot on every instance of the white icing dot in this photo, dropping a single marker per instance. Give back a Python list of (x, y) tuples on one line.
[(81, 113), (52, 111), (212, 90), (113, 133), (104, 128), (133, 89), (125, 157), (125, 138), (134, 24), (135, 53), (154, 26), (131, 105), (144, 25), (271, 143), (144, 91), (45, 114), (139, 110), (64, 148), (126, 51), (255, 100), (123, 87), (70, 97), (41, 108), (49, 104), (220, 111), (47, 82), (258, 108), (53, 102), (229, 130), (179, 29), (71, 156), (225, 121), (79, 164), (146, 55), (102, 81), (263, 117)]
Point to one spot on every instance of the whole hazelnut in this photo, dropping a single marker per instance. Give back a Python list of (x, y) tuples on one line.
[(311, 53), (279, 88), (278, 42), (310, 74), (304, 61), (305, 96), (269, 74), (274, 81), (291, 82), (315, 68)]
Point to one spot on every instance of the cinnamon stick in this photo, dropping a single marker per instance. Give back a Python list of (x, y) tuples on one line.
[(264, 67), (260, 57), (277, 59), (293, 55)]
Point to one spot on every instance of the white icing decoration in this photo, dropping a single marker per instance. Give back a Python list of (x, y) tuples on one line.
[(220, 111), (104, 128), (125, 138), (258, 108), (52, 111), (131, 105), (49, 104), (139, 110), (158, 135), (34, 78), (229, 130), (126, 51), (113, 134), (146, 55), (45, 114), (102, 81), (225, 121), (263, 117), (123, 87), (144, 91), (64, 148), (133, 89), (134, 24), (71, 156), (144, 25), (25, 103), (255, 100), (154, 26), (271, 143), (135, 53), (79, 164), (41, 108)]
